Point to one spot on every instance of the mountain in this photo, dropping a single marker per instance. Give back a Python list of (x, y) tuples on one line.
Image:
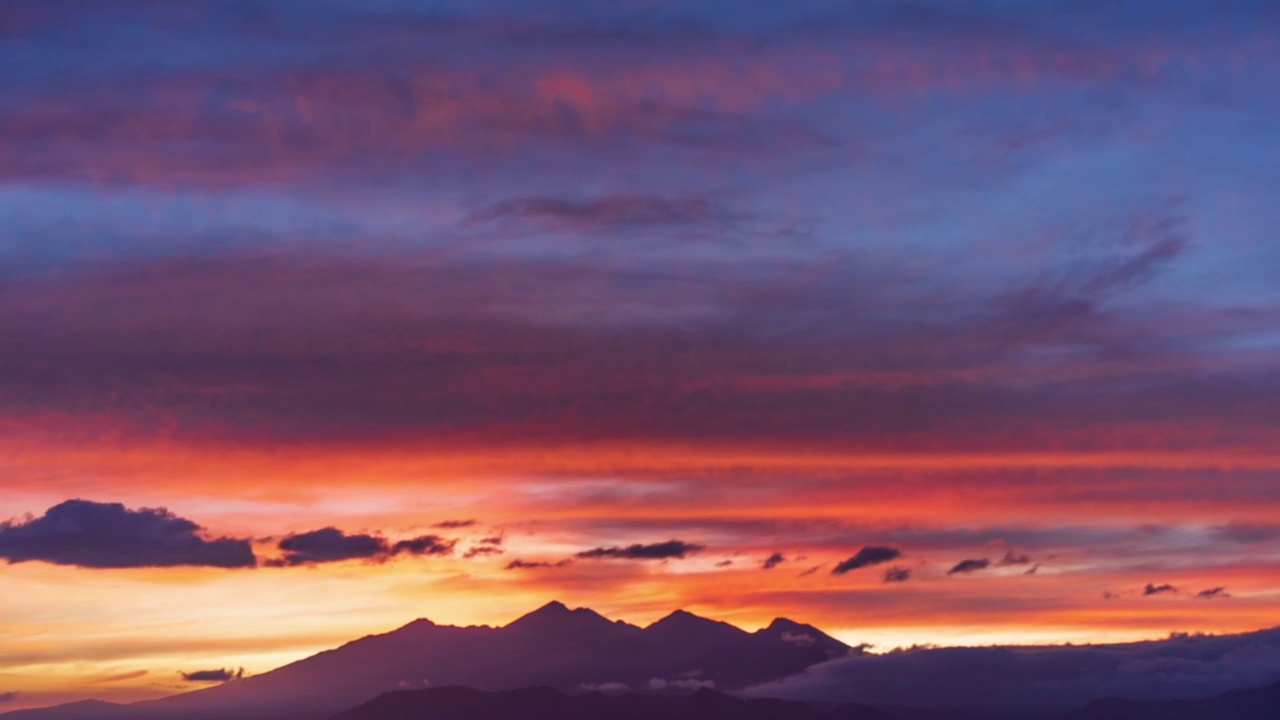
[(455, 703), (556, 647), (1253, 704)]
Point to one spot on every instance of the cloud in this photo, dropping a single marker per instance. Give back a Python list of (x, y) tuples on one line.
[(482, 551), (608, 688), (455, 524), (671, 549), (330, 545), (1212, 593), (519, 564), (1152, 589), (109, 535), (1046, 679), (897, 575), (774, 561), (866, 557), (424, 545), (333, 545), (220, 675), (798, 639), (8, 697), (1012, 558), (968, 566), (683, 683)]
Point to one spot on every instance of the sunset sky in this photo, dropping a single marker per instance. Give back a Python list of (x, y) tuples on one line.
[(946, 321)]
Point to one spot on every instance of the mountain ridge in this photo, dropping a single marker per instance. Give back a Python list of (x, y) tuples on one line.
[(576, 652), (570, 650)]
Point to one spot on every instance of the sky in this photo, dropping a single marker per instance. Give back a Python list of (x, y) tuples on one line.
[(942, 322)]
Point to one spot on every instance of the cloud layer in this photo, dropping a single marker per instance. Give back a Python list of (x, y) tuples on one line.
[(1047, 679)]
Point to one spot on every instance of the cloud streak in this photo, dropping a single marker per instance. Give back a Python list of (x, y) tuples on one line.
[(221, 675), (866, 557), (965, 567), (668, 550)]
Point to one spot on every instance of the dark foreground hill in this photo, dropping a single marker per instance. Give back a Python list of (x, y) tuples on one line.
[(455, 703), (1252, 704)]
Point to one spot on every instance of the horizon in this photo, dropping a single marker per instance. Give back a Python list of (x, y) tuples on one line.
[(922, 322), (558, 608)]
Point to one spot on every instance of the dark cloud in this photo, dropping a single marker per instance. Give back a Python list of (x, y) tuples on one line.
[(424, 545), (455, 524), (671, 549), (968, 566), (519, 564), (482, 551), (213, 676), (724, 563), (1012, 558), (866, 557), (810, 571), (897, 575), (1152, 589), (109, 535), (1047, 679), (774, 561), (8, 697), (330, 545), (486, 546), (1212, 593), (333, 545)]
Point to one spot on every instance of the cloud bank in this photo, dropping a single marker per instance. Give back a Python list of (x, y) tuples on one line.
[(109, 535), (1047, 679)]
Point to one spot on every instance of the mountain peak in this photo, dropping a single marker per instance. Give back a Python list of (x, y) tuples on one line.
[(683, 621), (556, 614), (786, 624), (799, 634), (419, 624), (679, 617)]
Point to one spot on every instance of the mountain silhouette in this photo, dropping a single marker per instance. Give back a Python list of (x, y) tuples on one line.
[(575, 664), (83, 710), (569, 650), (455, 703), (1252, 704)]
